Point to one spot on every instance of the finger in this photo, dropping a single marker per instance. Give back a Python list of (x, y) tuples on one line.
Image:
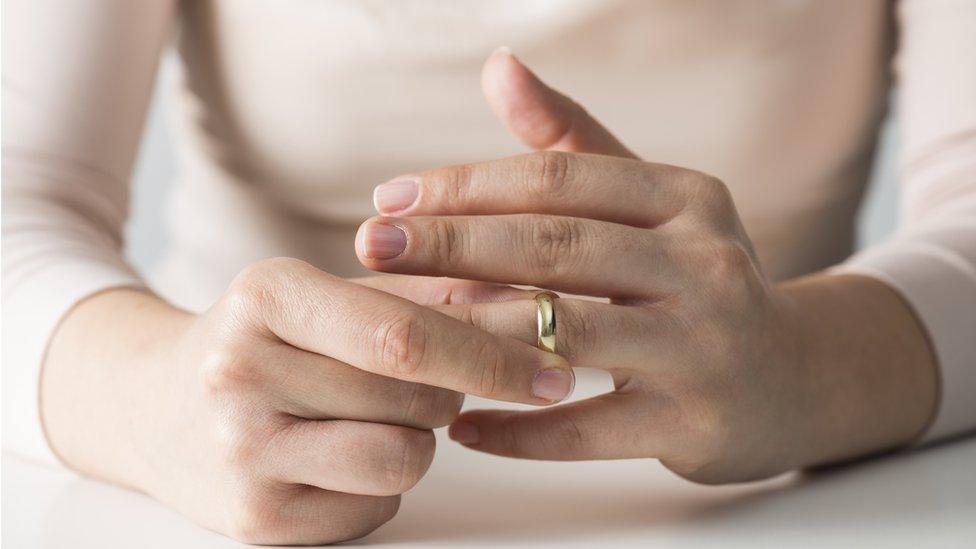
[(352, 457), (538, 115), (595, 428), (568, 254), (306, 515), (391, 336), (425, 290), (589, 334), (311, 386), (580, 185)]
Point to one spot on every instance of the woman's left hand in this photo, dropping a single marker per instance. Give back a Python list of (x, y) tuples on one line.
[(695, 336), (703, 349)]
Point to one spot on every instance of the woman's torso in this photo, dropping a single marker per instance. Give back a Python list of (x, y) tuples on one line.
[(290, 112)]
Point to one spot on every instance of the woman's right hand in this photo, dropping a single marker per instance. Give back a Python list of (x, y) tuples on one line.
[(295, 410)]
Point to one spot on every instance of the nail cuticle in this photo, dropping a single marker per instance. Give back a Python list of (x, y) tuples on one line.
[(383, 240), (397, 195), (553, 384)]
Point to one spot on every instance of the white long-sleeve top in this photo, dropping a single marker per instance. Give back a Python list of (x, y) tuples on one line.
[(289, 112)]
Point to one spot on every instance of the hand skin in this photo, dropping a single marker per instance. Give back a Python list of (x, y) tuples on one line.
[(720, 373), (294, 411)]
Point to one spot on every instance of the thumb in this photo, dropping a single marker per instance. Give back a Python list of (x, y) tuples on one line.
[(538, 115)]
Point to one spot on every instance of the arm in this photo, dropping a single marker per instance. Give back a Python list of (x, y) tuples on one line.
[(77, 77), (931, 261)]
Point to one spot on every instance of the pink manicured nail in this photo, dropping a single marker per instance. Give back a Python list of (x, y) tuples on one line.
[(395, 196), (464, 432), (382, 241), (553, 384)]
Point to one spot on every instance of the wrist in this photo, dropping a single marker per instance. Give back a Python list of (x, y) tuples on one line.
[(102, 375), (866, 376)]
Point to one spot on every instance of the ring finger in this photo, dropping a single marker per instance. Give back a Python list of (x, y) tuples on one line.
[(589, 334)]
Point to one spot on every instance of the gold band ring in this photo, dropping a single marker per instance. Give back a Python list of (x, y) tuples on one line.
[(545, 321)]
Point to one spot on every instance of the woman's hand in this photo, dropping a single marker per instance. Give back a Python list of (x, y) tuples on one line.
[(719, 372), (295, 410), (700, 344)]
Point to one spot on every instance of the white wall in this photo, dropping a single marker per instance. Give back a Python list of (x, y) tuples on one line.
[(156, 167)]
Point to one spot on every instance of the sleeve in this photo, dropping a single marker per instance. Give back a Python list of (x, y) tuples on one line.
[(931, 260), (77, 79)]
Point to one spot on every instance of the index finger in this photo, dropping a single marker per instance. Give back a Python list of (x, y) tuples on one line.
[(606, 188), (392, 336)]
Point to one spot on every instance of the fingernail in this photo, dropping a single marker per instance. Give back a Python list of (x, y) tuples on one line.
[(553, 384), (464, 432), (395, 196), (502, 50), (382, 241)]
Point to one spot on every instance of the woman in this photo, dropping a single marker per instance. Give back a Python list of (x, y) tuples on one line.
[(278, 402)]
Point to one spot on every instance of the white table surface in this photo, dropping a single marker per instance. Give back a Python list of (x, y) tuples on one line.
[(921, 499)]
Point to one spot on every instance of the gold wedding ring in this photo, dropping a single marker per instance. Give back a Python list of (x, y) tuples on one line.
[(545, 321)]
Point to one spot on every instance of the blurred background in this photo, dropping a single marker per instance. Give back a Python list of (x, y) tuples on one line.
[(156, 168)]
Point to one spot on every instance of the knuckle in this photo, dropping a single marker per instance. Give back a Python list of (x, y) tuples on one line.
[(467, 314), (575, 328), (239, 445), (383, 509), (261, 272), (731, 261), (256, 518), (402, 345), (714, 196), (568, 436), (253, 287), (511, 439), (248, 295), (490, 365), (721, 261), (455, 184), (430, 407), (710, 426), (515, 441), (448, 408), (226, 370), (444, 241), (407, 463), (546, 173), (557, 241), (356, 523)]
